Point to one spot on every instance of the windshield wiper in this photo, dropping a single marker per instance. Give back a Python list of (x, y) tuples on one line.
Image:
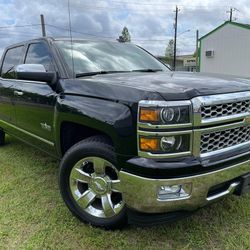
[(102, 72), (147, 70)]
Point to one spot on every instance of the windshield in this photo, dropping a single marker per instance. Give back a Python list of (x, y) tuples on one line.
[(104, 56)]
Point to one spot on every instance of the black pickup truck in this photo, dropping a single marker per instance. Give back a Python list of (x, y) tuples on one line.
[(137, 142)]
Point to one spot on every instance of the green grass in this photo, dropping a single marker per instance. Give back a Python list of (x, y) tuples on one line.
[(33, 215)]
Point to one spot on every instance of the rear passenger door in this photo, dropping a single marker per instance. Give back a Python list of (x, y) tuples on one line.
[(12, 57), (35, 101)]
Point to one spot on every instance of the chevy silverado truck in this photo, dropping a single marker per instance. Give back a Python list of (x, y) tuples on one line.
[(138, 143)]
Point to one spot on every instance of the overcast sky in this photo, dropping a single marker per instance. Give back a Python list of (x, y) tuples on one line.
[(149, 22)]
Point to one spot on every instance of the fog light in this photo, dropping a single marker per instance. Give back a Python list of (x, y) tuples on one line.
[(178, 191), (170, 189)]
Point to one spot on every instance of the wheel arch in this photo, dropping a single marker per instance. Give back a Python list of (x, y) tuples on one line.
[(71, 133), (78, 117)]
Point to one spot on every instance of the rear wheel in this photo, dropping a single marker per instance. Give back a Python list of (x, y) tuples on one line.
[(90, 185)]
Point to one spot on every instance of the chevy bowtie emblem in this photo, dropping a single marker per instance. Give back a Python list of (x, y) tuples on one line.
[(99, 186), (247, 119)]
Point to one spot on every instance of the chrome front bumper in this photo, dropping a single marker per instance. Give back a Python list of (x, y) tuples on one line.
[(141, 193)]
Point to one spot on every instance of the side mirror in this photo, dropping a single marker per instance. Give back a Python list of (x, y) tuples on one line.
[(35, 72)]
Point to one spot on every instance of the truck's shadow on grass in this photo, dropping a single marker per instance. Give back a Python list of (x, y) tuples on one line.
[(33, 215)]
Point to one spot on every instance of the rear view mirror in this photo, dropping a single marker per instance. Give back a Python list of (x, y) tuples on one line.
[(35, 72)]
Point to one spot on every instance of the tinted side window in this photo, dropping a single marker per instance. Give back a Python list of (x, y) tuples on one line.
[(38, 53), (12, 58)]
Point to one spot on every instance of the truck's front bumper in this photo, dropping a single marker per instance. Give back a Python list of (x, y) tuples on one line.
[(142, 194)]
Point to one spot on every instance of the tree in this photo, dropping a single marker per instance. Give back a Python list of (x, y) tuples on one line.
[(125, 37), (169, 53)]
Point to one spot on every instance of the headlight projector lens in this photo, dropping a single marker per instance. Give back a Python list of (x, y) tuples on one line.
[(171, 143), (167, 143), (169, 115)]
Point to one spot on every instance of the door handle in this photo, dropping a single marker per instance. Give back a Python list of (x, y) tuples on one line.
[(18, 93)]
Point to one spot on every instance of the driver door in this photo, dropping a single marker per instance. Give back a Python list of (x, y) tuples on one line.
[(35, 101)]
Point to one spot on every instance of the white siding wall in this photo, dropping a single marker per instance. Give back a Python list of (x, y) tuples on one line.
[(231, 45)]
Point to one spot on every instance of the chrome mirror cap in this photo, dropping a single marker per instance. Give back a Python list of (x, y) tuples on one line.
[(30, 68)]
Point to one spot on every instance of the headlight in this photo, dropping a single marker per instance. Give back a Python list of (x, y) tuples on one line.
[(170, 142), (165, 144), (164, 129), (175, 115), (169, 114), (165, 114)]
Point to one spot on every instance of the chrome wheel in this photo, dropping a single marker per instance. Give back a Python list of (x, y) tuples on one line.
[(95, 187)]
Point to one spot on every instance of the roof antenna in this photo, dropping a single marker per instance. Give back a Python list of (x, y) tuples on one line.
[(71, 40)]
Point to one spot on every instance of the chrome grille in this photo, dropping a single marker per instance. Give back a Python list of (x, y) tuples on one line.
[(223, 139), (226, 109)]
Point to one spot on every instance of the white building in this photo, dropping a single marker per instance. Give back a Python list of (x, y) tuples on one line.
[(226, 50)]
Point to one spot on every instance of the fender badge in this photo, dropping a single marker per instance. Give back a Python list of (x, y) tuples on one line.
[(45, 126)]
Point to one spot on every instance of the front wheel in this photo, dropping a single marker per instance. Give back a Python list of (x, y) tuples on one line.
[(90, 185)]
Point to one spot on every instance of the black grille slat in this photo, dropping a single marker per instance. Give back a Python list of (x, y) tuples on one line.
[(223, 139), (227, 109)]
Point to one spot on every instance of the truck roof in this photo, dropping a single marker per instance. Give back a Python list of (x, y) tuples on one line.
[(49, 39)]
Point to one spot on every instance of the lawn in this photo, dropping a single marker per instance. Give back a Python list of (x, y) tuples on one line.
[(33, 215)]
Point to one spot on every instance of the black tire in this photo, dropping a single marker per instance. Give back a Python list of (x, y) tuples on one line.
[(2, 138), (95, 146)]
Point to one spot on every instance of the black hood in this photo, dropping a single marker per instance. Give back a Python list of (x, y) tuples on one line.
[(158, 85)]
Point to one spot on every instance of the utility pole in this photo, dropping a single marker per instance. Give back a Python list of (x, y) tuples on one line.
[(175, 36), (43, 25), (197, 50), (231, 13)]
